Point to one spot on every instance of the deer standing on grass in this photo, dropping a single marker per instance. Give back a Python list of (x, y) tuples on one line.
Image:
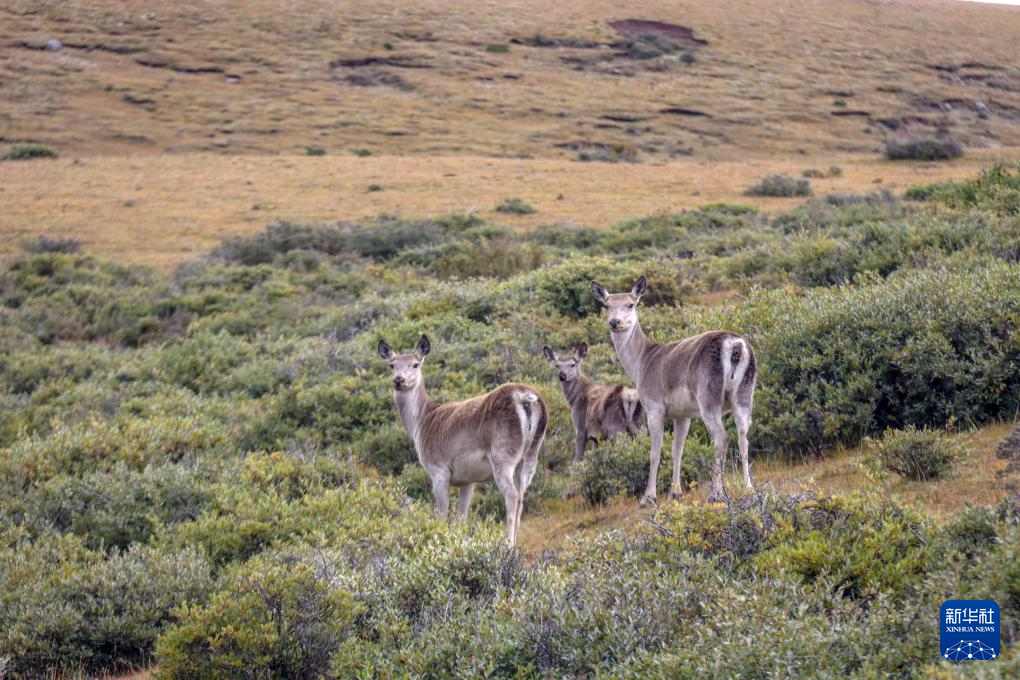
[(492, 437), (705, 377), (598, 411)]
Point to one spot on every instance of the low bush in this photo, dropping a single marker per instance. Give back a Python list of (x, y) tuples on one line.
[(515, 206), (920, 455), (55, 244), (780, 185), (25, 152), (997, 189), (315, 151), (620, 467), (68, 610), (924, 148), (281, 616)]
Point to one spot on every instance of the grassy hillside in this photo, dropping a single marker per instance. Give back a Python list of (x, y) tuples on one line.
[(204, 470), (728, 81), (212, 211)]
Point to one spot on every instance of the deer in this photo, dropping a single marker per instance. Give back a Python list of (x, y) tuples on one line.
[(494, 437), (599, 411), (705, 376)]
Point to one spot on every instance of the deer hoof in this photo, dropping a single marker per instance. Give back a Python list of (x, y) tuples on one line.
[(647, 501), (676, 493)]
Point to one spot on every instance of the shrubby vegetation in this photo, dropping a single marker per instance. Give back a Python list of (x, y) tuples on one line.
[(25, 152), (780, 185), (924, 148), (206, 468), (915, 454)]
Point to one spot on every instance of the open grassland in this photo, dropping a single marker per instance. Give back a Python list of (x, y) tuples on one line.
[(202, 471), (749, 80), (163, 210)]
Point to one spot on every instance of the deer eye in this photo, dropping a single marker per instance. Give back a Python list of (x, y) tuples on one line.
[(630, 306), (414, 365)]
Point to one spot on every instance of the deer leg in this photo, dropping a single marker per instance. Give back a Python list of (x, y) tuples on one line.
[(580, 441), (504, 479), (521, 483), (742, 417), (464, 502), (441, 492), (680, 428), (656, 423), (716, 429)]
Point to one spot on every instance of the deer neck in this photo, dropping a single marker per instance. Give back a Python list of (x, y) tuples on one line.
[(576, 390), (631, 347), (413, 405)]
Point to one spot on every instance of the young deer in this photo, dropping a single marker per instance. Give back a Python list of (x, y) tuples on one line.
[(598, 411), (706, 376), (493, 437)]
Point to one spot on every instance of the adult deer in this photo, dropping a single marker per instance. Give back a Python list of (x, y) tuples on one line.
[(492, 437), (598, 411), (705, 377)]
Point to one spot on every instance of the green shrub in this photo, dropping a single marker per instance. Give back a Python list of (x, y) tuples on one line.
[(996, 189), (923, 148), (780, 185), (919, 455), (847, 362), (24, 152), (69, 610), (315, 151), (55, 244), (515, 206), (497, 49), (372, 188), (278, 616), (620, 467), (362, 153)]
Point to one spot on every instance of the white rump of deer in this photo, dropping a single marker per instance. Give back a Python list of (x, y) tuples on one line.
[(492, 437), (705, 377), (598, 411)]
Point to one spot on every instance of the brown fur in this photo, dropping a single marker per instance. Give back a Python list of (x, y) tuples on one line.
[(598, 411), (492, 437), (706, 376)]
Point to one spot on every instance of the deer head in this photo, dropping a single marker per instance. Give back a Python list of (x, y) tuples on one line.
[(621, 307), (406, 367), (568, 368)]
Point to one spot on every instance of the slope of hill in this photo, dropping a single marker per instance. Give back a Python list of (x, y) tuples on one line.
[(714, 80)]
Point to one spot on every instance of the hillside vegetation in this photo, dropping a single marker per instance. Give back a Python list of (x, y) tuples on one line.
[(204, 470), (587, 80)]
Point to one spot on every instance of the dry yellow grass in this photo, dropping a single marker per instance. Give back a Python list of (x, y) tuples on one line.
[(778, 77), (975, 483), (165, 209)]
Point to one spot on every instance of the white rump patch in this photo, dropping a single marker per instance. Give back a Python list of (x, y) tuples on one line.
[(526, 413), (734, 375)]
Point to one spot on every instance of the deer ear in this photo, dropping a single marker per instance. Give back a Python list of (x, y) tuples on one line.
[(640, 286), (599, 292), (582, 350), (424, 347), (549, 354), (385, 351)]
